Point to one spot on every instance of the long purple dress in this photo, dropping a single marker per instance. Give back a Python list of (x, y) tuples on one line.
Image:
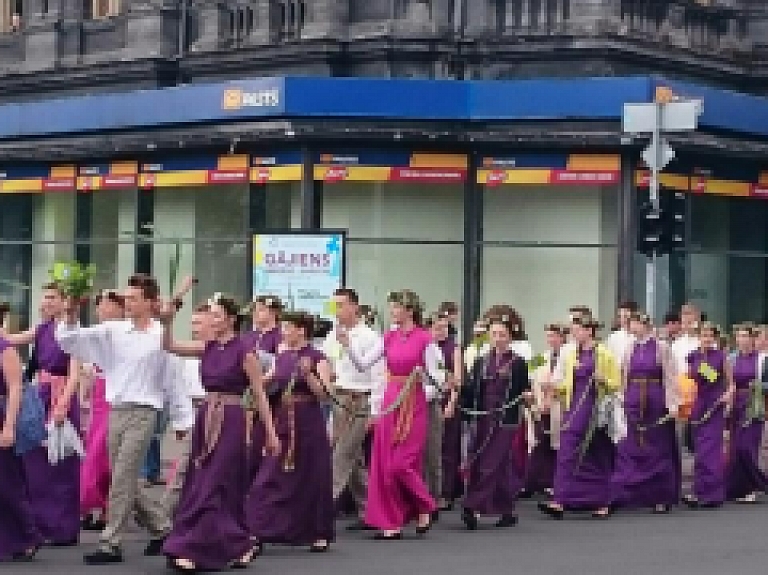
[(648, 468), (291, 499), (744, 476), (209, 526), (707, 428), (583, 483), (265, 341), (18, 533), (495, 476), (451, 453), (540, 471), (54, 490)]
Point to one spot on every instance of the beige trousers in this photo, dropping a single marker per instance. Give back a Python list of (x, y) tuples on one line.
[(348, 458), (130, 431), (433, 454)]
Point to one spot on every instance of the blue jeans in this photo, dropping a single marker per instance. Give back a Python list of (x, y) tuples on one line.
[(153, 463)]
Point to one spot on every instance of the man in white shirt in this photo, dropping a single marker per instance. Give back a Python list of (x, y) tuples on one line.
[(620, 341), (140, 379), (355, 390)]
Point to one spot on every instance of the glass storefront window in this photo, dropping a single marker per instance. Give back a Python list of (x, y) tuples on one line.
[(113, 234), (47, 222), (400, 236), (548, 248)]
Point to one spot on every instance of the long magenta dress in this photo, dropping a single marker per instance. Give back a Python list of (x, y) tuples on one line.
[(95, 472), (397, 493)]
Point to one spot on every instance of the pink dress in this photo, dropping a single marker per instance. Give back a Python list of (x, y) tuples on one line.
[(397, 493), (94, 473)]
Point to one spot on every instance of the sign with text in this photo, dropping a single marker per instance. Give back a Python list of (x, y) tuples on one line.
[(302, 269)]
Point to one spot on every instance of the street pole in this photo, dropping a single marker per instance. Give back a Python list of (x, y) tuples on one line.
[(651, 265)]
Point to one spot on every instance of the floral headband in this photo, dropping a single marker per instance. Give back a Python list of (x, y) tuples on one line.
[(405, 298), (748, 327), (643, 318), (215, 299), (584, 319), (710, 326), (557, 328), (512, 323)]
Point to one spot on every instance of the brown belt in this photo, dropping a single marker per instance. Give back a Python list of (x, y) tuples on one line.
[(214, 404)]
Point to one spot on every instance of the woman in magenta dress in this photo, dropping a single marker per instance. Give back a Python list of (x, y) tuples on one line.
[(744, 478), (291, 499), (709, 368), (54, 490), (397, 493), (19, 538), (648, 470), (94, 474), (497, 386), (210, 531)]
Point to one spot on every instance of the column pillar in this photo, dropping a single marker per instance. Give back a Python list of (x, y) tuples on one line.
[(627, 228), (473, 247)]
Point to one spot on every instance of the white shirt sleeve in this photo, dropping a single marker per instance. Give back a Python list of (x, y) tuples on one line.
[(87, 344), (433, 360), (367, 358), (181, 409)]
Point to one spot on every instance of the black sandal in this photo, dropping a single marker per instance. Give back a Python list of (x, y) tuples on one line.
[(384, 537), (26, 556), (319, 547), (549, 509)]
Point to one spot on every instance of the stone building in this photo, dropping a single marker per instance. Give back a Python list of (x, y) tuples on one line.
[(497, 218)]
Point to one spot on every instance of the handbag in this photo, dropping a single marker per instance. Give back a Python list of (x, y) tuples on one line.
[(30, 423)]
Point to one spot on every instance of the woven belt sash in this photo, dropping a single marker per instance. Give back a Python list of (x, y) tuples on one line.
[(214, 418)]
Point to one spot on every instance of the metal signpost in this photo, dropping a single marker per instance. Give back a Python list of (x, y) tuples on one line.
[(666, 114)]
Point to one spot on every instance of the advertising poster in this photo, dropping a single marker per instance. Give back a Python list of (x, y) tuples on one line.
[(302, 269)]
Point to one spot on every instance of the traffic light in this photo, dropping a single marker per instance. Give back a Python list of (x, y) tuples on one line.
[(649, 230), (673, 208), (662, 231)]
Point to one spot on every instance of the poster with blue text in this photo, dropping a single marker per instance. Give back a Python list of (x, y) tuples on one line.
[(302, 269)]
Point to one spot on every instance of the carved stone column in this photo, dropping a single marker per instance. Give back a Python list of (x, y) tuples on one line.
[(215, 25), (151, 28), (326, 19), (266, 22)]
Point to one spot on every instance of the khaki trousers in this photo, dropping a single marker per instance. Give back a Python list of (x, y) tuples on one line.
[(130, 431), (433, 454), (348, 458)]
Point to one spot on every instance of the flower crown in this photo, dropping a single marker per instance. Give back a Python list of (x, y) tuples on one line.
[(215, 299), (405, 298)]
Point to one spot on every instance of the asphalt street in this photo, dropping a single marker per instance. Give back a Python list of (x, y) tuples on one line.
[(732, 540)]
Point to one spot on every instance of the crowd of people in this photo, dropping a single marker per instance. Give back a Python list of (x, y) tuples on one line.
[(281, 431)]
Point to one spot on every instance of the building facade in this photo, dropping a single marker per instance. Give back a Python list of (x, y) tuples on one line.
[(135, 134)]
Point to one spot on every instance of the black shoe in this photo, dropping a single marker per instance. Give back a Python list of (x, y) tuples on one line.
[(525, 494), (174, 566), (394, 537), (507, 521), (26, 556), (91, 524), (359, 526), (104, 556), (660, 510), (469, 518), (691, 502), (154, 548), (553, 512), (436, 516), (319, 547), (447, 506), (602, 514), (424, 529)]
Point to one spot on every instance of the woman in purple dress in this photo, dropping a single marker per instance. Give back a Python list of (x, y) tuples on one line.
[(19, 538), (708, 367), (451, 448), (648, 470), (745, 479), (54, 490), (497, 386), (209, 527), (544, 416), (265, 334), (586, 455), (291, 499)]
